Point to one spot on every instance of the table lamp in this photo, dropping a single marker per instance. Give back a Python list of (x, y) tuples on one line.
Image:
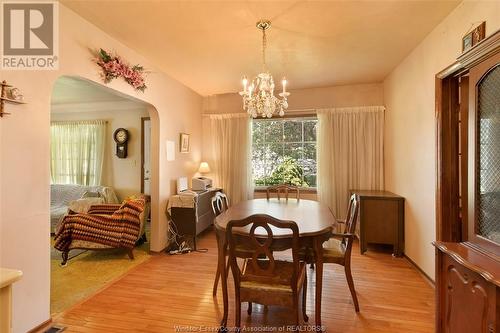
[(204, 168)]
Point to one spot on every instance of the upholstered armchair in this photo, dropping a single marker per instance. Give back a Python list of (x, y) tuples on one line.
[(104, 226)]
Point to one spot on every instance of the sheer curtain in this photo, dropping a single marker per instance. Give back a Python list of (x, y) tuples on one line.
[(350, 153), (77, 152), (232, 154)]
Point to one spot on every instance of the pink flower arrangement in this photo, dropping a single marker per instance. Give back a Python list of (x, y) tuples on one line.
[(114, 67)]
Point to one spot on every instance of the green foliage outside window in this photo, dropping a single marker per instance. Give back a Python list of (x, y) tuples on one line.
[(284, 151), (287, 172)]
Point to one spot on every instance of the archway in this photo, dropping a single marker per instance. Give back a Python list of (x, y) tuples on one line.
[(76, 98)]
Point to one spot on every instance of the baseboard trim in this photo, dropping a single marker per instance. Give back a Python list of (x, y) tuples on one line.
[(426, 277), (45, 325), (155, 253)]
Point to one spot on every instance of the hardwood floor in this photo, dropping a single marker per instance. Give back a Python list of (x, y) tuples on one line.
[(169, 291)]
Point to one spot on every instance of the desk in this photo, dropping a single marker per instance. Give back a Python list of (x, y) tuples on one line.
[(315, 222)]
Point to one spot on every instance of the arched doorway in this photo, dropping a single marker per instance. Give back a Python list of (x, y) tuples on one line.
[(78, 100)]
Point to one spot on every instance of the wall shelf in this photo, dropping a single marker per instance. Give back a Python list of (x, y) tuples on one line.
[(4, 99)]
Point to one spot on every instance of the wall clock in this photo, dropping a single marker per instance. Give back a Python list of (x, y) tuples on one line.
[(121, 137)]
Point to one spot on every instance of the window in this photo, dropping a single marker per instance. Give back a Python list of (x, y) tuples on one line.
[(284, 151), (77, 151)]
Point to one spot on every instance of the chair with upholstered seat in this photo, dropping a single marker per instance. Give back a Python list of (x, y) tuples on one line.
[(220, 203), (278, 189), (339, 247), (263, 279)]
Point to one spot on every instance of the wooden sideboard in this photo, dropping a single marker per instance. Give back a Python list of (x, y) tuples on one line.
[(466, 280), (381, 219)]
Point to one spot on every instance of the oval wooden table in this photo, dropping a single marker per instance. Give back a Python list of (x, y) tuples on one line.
[(315, 222)]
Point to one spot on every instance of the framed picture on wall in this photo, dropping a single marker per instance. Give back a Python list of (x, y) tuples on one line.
[(474, 37), (184, 143), (478, 33), (467, 42)]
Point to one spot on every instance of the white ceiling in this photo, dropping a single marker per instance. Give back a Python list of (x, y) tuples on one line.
[(72, 90), (209, 45), (73, 94)]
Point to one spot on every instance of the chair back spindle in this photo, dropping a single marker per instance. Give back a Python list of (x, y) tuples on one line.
[(350, 221), (278, 189)]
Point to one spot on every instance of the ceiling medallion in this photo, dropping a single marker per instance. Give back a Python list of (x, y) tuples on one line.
[(258, 97)]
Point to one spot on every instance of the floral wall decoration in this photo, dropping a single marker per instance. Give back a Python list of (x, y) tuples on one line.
[(113, 67)]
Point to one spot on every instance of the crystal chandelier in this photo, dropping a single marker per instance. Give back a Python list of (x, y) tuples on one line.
[(258, 97)]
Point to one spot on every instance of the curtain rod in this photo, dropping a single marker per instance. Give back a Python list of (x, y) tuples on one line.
[(309, 111), (88, 121), (301, 111), (304, 111)]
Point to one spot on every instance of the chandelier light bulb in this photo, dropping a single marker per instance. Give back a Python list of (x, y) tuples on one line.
[(283, 82), (245, 82)]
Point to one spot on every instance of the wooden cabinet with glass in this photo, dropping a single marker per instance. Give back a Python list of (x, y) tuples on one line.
[(468, 192)]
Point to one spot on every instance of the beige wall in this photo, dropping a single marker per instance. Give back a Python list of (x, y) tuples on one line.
[(123, 174), (24, 149), (301, 99), (410, 123)]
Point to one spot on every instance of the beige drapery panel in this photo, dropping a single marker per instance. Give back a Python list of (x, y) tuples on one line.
[(77, 152), (350, 153), (231, 138)]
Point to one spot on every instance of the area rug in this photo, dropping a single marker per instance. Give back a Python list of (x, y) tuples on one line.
[(56, 254), (88, 272)]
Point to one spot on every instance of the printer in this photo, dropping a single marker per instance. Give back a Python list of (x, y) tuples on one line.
[(201, 184)]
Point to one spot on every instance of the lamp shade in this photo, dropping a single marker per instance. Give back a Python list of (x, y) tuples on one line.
[(204, 168)]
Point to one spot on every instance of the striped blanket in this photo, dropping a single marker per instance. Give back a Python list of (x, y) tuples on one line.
[(112, 225)]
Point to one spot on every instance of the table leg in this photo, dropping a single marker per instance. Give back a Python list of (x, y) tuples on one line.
[(318, 251), (6, 309), (222, 248)]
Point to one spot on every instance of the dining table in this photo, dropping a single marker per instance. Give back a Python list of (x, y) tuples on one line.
[(314, 220)]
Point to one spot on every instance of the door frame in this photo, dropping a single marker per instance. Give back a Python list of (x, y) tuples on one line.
[(143, 120)]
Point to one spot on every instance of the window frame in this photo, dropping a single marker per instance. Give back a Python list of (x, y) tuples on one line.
[(297, 116)]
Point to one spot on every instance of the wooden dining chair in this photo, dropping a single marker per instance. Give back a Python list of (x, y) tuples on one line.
[(340, 252), (220, 204), (340, 247), (263, 279), (282, 188)]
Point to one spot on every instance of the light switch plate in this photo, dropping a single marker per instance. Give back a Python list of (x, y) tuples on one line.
[(170, 146)]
